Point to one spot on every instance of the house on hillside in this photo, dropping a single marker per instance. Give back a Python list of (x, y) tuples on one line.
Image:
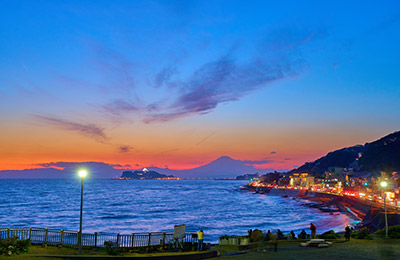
[(303, 180)]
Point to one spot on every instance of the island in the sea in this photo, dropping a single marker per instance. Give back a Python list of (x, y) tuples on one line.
[(145, 174)]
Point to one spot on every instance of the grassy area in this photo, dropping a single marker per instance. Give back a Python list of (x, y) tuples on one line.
[(355, 249), (35, 252)]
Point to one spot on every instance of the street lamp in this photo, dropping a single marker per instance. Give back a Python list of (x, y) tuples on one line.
[(384, 185), (82, 174)]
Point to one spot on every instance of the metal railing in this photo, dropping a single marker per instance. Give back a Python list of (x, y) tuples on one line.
[(70, 238)]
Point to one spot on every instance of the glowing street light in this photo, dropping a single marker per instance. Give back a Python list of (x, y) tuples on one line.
[(384, 185), (82, 174)]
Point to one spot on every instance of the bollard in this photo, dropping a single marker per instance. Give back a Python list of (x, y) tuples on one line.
[(45, 236), (163, 239), (148, 243)]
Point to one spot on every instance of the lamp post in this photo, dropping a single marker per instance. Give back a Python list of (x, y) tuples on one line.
[(383, 185), (82, 174)]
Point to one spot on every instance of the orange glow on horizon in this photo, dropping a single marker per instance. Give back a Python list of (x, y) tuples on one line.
[(177, 147)]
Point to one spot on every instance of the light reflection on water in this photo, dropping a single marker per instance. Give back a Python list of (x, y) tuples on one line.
[(116, 206)]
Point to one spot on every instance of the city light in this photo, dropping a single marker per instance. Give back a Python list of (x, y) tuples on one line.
[(82, 173), (383, 185)]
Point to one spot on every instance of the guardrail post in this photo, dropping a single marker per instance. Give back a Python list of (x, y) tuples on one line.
[(61, 237), (8, 232), (148, 243), (45, 236), (163, 239), (118, 240), (95, 239), (77, 238), (133, 239), (30, 233)]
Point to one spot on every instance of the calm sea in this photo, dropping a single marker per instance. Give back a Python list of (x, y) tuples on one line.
[(127, 206)]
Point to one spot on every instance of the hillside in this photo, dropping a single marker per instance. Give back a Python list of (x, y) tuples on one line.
[(339, 158), (382, 154)]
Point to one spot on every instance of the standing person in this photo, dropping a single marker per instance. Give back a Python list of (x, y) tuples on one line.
[(303, 234), (200, 237), (347, 234), (280, 235), (313, 229), (268, 235)]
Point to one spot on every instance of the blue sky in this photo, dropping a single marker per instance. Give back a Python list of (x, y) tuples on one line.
[(243, 73)]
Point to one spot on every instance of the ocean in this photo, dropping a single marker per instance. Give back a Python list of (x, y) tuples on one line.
[(129, 206)]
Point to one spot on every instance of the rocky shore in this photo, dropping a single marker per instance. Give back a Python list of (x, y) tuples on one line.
[(330, 203)]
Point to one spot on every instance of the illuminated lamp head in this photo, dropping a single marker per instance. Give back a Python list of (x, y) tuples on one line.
[(82, 173)]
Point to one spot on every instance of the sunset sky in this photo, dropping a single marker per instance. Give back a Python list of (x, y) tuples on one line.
[(180, 83)]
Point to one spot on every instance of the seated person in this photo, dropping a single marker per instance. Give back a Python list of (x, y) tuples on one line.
[(303, 235), (280, 235)]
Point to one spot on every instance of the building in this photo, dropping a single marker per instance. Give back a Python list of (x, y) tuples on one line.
[(303, 180)]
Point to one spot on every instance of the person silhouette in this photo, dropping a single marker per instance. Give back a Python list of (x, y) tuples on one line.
[(200, 238)]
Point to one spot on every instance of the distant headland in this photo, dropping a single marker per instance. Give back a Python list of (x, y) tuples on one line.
[(145, 174)]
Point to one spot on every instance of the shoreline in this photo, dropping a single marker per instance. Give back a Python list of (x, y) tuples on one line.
[(336, 213), (325, 202)]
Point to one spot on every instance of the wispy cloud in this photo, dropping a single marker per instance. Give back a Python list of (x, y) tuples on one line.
[(164, 76), (226, 79), (89, 130), (254, 163), (277, 55), (125, 148), (120, 106), (93, 167), (121, 166), (25, 67), (221, 81), (114, 66), (205, 138)]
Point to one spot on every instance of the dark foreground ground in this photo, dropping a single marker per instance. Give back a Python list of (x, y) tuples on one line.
[(355, 249)]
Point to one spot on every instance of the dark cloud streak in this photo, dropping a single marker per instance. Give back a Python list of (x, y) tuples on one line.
[(205, 138), (124, 149), (89, 130)]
